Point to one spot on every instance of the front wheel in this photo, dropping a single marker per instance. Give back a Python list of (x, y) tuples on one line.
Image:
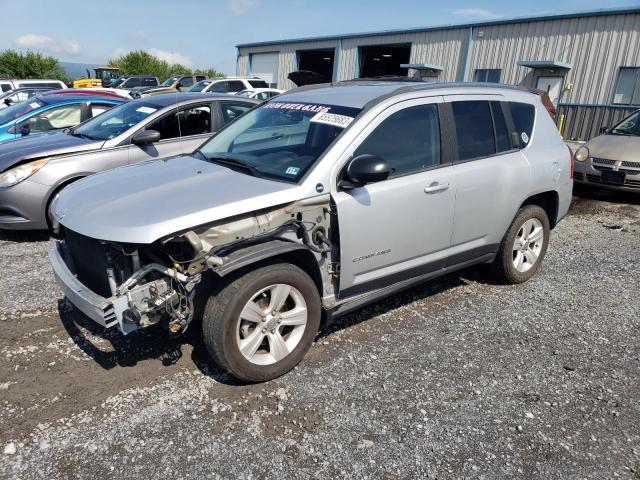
[(261, 324), (524, 245)]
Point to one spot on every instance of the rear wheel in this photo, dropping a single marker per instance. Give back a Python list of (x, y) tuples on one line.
[(524, 245), (261, 324)]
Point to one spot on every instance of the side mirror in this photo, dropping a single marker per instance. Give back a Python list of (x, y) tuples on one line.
[(8, 102), (365, 169), (179, 85), (145, 137), (604, 130), (20, 129)]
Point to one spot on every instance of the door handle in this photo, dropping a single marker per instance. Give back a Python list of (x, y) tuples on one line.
[(436, 187), (277, 136)]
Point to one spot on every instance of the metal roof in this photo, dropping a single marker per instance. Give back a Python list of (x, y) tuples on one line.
[(360, 93), (556, 16), (549, 64)]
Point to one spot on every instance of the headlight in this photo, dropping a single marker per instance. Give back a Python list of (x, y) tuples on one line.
[(20, 173), (582, 154)]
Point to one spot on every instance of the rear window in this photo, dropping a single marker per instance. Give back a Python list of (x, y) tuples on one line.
[(474, 129), (258, 84), (523, 115)]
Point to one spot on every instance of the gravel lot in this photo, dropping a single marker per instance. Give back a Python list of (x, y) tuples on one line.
[(458, 378)]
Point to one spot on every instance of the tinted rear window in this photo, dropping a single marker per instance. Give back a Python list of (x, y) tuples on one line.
[(474, 129), (523, 115), (258, 84)]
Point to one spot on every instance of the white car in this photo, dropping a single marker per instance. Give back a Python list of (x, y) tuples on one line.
[(231, 85), (260, 93), (12, 84)]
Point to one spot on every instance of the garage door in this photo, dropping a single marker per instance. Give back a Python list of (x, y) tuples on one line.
[(265, 66)]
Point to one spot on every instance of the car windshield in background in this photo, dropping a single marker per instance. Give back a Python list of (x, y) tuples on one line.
[(169, 81), (279, 140), (115, 121), (117, 82), (199, 86), (16, 111), (629, 126)]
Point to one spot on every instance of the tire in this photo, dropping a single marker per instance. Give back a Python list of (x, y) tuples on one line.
[(529, 251), (280, 341)]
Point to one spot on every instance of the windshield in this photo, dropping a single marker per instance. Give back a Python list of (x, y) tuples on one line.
[(629, 126), (117, 82), (115, 121), (169, 81), (280, 140), (199, 86), (18, 110)]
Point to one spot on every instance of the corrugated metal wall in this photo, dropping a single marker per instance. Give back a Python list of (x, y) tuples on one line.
[(439, 47), (594, 46), (288, 58)]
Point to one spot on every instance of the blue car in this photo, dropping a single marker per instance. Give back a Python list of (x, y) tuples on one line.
[(47, 113)]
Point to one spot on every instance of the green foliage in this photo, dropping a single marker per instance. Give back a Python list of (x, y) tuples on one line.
[(143, 63), (30, 65)]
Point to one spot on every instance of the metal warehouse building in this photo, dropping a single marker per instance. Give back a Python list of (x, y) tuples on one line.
[(588, 62)]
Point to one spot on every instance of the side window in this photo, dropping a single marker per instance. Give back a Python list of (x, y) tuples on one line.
[(231, 111), (98, 108), (5, 87), (258, 84), (200, 78), (491, 75), (219, 87), (416, 140), (186, 122), (234, 86), (55, 118), (150, 81), (186, 81), (474, 129), (503, 143), (523, 115)]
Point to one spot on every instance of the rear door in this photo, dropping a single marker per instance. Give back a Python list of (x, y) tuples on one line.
[(399, 228), (490, 174)]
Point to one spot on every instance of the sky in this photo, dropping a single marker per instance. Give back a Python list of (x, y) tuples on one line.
[(203, 33)]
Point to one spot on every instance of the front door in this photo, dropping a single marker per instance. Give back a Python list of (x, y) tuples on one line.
[(397, 228), (553, 86)]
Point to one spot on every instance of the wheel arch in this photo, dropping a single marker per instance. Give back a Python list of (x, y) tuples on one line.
[(245, 259), (549, 201), (55, 191)]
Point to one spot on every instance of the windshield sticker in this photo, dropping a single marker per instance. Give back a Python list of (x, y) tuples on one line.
[(293, 171), (147, 110), (332, 119), (297, 106), (525, 137), (34, 105)]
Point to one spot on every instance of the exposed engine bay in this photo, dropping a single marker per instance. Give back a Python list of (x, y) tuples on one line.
[(149, 283)]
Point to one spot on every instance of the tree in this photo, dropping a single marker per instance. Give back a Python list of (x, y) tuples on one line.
[(143, 63), (30, 65)]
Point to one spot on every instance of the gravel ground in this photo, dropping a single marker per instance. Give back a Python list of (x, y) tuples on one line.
[(460, 378)]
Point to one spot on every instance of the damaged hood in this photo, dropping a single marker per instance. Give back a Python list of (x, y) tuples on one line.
[(144, 202), (34, 147)]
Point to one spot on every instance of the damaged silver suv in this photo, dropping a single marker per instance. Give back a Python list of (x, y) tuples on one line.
[(322, 200)]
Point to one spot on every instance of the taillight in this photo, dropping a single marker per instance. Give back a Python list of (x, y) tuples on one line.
[(573, 160)]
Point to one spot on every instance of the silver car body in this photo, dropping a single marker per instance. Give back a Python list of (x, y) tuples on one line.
[(25, 205), (613, 161), (392, 233)]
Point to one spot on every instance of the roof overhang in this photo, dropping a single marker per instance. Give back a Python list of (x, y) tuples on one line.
[(545, 64)]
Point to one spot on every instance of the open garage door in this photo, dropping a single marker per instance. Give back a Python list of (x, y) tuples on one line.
[(318, 61), (265, 66), (384, 60)]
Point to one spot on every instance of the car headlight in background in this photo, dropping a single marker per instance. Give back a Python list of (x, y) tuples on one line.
[(582, 154), (21, 172)]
